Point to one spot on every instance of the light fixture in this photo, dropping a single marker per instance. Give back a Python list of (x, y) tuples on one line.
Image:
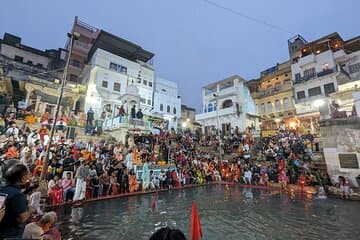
[(188, 120), (277, 120), (292, 124), (184, 125), (318, 51), (336, 45), (319, 103)]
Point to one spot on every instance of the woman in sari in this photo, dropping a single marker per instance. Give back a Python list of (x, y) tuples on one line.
[(55, 191), (133, 184), (115, 185)]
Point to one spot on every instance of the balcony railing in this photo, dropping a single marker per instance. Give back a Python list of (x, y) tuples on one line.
[(114, 123), (220, 112), (272, 91), (82, 46), (315, 75)]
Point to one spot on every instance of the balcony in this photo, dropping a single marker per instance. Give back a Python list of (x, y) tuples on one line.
[(307, 60), (316, 75), (76, 64), (81, 47), (272, 91), (214, 114)]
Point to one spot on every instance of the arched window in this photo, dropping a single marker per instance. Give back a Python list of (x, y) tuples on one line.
[(161, 107), (269, 107), (277, 106), (286, 103), (210, 107), (227, 103), (174, 110), (262, 108), (168, 108)]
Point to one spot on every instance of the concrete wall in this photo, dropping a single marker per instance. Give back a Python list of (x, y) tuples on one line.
[(11, 52), (341, 136)]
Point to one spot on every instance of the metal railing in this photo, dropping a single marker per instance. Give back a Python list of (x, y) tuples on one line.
[(112, 123)]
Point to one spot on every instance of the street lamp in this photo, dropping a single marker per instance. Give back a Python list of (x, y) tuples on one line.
[(216, 96), (73, 36)]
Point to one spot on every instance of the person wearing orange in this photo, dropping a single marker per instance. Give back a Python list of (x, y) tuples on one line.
[(45, 117), (133, 184), (135, 156), (43, 131), (12, 152), (38, 167)]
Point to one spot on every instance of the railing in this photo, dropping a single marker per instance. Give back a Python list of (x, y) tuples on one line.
[(271, 91), (125, 122), (81, 46), (76, 64), (315, 75)]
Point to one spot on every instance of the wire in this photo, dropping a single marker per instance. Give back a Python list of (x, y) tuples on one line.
[(256, 20)]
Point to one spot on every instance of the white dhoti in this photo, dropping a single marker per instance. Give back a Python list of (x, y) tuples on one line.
[(80, 190)]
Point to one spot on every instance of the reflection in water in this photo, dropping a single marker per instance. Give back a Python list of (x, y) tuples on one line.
[(226, 213)]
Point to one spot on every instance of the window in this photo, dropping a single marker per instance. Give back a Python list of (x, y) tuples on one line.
[(314, 91), (354, 68), (329, 88), (286, 103), (144, 82), (300, 95), (104, 84), (168, 109), (297, 77), (210, 107), (174, 110), (149, 102), (161, 107), (30, 62), (309, 73), (143, 100), (18, 58), (117, 87), (262, 108), (117, 68), (150, 84), (277, 106), (73, 78), (269, 107)]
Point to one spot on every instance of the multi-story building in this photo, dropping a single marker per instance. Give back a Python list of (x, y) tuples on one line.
[(227, 104), (114, 64), (32, 76), (167, 103), (187, 119), (273, 96), (80, 49), (315, 67)]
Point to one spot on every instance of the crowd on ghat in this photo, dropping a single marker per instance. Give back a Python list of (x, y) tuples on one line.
[(82, 170)]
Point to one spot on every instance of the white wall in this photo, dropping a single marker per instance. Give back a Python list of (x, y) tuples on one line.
[(11, 52)]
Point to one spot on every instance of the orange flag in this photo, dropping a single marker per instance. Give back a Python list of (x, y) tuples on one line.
[(195, 228)]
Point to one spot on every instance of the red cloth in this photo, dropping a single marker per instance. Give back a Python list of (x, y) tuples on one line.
[(56, 196), (195, 228)]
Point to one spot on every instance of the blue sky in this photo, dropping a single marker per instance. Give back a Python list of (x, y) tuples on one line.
[(195, 43)]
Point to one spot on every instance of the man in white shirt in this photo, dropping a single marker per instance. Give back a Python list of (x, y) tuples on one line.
[(128, 160), (247, 176)]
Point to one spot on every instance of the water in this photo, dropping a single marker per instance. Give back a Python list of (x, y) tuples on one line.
[(226, 213)]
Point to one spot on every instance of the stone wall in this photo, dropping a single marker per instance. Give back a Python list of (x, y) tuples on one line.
[(341, 136)]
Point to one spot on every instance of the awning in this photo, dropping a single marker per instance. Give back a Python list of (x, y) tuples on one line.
[(66, 101)]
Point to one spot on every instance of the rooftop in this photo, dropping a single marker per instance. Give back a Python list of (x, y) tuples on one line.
[(119, 47), (15, 41), (228, 80)]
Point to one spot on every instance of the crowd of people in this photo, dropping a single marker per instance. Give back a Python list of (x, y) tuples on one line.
[(78, 170)]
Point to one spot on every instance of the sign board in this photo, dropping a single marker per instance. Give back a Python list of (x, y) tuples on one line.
[(348, 160)]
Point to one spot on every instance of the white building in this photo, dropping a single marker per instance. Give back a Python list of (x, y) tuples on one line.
[(315, 67), (113, 65), (167, 103), (227, 104)]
